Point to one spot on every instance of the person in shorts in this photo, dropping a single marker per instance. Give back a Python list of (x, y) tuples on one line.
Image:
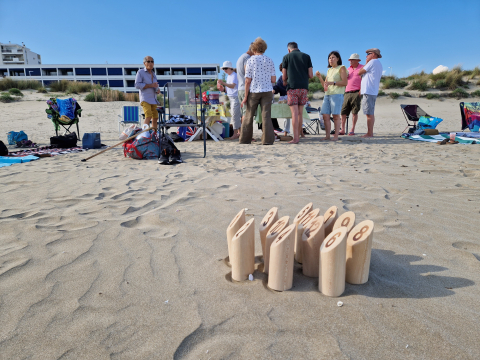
[(371, 75), (352, 98), (296, 71), (146, 82), (334, 85)]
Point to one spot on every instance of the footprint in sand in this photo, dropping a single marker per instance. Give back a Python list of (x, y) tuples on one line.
[(472, 248)]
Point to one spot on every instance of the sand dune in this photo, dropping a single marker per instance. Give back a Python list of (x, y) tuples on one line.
[(124, 259)]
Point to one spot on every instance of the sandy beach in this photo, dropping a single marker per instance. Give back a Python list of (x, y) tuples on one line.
[(124, 259)]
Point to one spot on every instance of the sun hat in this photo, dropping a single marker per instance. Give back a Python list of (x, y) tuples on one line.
[(374, 50), (354, 56), (227, 64)]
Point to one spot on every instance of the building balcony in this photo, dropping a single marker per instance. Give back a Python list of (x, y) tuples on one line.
[(13, 61)]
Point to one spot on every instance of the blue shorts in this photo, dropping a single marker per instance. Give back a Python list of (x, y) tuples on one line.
[(332, 104)]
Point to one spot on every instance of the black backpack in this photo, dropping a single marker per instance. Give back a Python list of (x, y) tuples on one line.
[(3, 149), (65, 141)]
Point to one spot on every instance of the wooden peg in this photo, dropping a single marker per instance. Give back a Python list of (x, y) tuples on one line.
[(359, 252), (243, 251), (272, 234), (312, 239), (266, 224), (281, 260), (347, 219), (330, 217), (331, 279), (298, 238), (235, 225)]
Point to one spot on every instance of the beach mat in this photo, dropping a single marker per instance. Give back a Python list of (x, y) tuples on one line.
[(46, 151), (8, 160), (440, 137)]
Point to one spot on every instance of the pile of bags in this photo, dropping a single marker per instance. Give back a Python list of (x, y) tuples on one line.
[(144, 146)]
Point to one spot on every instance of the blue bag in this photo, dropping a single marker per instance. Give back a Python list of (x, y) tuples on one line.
[(14, 136), (428, 122)]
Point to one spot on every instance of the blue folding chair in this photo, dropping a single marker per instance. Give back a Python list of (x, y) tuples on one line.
[(130, 115)]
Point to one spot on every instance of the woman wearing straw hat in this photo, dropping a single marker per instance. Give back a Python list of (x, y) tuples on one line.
[(232, 92)]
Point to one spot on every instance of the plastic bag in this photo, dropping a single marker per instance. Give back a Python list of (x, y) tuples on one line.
[(129, 131)]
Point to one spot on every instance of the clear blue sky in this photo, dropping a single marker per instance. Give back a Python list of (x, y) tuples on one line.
[(412, 35)]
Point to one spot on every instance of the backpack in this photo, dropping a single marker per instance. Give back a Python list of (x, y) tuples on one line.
[(146, 146), (3, 149)]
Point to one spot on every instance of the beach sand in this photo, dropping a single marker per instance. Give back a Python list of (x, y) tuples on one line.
[(124, 259)]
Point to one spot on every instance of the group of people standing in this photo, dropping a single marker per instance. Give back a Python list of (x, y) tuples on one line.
[(253, 83)]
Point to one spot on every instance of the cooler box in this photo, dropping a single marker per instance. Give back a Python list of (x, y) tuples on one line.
[(226, 130), (91, 141)]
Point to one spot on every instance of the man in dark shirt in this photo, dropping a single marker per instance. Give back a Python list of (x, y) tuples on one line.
[(297, 69)]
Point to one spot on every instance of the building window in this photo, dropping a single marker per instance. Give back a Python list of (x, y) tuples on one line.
[(164, 71), (65, 71), (131, 71), (178, 71), (49, 72), (130, 83), (179, 81), (103, 83), (99, 71), (115, 71), (194, 71), (33, 72), (82, 71), (3, 72), (17, 72), (209, 71), (115, 83), (48, 82)]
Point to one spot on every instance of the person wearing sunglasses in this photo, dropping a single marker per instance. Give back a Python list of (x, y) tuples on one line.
[(146, 82), (371, 74), (231, 87)]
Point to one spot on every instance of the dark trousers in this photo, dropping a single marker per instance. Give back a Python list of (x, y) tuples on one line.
[(265, 101)]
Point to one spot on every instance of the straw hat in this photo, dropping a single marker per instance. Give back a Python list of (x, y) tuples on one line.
[(227, 64), (354, 56)]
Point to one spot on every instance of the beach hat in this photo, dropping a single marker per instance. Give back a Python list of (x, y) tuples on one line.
[(354, 56), (227, 64), (374, 50)]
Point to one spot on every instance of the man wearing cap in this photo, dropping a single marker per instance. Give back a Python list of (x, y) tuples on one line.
[(352, 99), (231, 86), (371, 74)]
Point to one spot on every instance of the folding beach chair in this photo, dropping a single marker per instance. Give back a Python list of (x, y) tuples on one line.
[(64, 113), (470, 116), (314, 126), (412, 113), (130, 115)]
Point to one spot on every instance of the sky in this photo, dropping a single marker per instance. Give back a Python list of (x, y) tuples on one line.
[(411, 35)]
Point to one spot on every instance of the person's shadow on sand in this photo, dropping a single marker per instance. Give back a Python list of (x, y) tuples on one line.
[(394, 276)]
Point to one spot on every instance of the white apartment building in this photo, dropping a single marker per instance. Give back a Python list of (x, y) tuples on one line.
[(14, 54)]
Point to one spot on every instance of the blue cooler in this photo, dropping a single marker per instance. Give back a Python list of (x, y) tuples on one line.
[(91, 141)]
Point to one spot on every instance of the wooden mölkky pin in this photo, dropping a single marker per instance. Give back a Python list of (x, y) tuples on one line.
[(347, 219), (281, 260), (243, 252), (312, 239), (235, 225), (272, 234), (359, 252), (330, 217), (331, 278), (298, 234), (266, 224)]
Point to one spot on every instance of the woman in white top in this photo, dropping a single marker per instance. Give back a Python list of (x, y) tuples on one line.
[(259, 76), (232, 92)]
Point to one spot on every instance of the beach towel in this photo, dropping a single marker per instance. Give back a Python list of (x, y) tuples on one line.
[(440, 137), (428, 122), (46, 151), (472, 116), (7, 160), (66, 107)]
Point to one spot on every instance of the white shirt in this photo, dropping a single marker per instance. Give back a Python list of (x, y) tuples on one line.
[(371, 80), (260, 69), (232, 79)]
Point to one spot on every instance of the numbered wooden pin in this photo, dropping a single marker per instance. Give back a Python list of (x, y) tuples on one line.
[(298, 234), (266, 224), (235, 225), (331, 279), (312, 239), (330, 217), (281, 260), (347, 219), (272, 234), (243, 251), (359, 252)]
